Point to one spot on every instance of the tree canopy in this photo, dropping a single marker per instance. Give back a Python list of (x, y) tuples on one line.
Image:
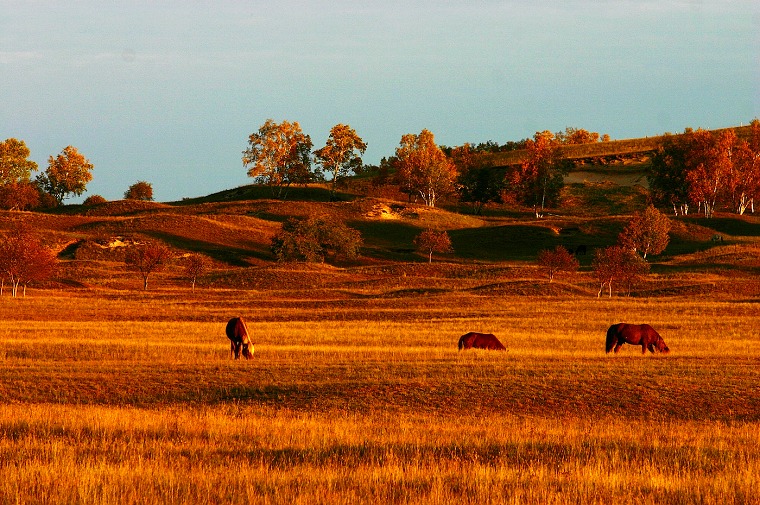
[(341, 155), (539, 179), (67, 174), (141, 190), (278, 155), (15, 166), (423, 168)]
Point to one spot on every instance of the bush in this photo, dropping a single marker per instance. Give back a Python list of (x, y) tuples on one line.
[(315, 239), (140, 190), (94, 200)]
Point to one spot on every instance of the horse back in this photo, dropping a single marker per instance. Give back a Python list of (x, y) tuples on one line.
[(236, 330)]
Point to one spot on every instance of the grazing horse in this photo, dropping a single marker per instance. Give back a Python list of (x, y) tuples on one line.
[(635, 334), (240, 340), (474, 340)]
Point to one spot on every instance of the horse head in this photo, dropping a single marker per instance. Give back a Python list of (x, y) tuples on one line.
[(661, 346), (248, 350)]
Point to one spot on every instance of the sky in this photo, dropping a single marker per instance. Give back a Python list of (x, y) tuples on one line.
[(168, 91)]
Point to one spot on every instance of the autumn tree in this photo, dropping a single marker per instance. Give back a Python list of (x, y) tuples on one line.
[(743, 183), (577, 136), (423, 168), (141, 190), (431, 241), (556, 260), (94, 200), (709, 162), (148, 258), (15, 166), (195, 265), (647, 232), (67, 174), (479, 182), (539, 179), (315, 239), (24, 259), (341, 155), (21, 195), (278, 155), (617, 264), (667, 174)]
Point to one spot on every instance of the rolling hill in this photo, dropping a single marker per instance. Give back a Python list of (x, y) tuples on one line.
[(493, 253)]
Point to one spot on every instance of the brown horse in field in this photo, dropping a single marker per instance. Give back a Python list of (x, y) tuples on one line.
[(240, 340), (635, 334), (474, 340)]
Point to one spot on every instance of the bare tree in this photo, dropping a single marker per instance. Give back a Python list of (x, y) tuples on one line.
[(148, 258)]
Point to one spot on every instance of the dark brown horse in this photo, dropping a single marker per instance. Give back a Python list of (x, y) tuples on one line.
[(240, 340), (635, 334), (474, 340)]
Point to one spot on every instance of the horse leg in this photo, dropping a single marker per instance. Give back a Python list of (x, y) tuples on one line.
[(618, 346), (651, 348), (232, 349)]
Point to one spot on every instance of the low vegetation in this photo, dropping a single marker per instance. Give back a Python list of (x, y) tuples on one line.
[(133, 399)]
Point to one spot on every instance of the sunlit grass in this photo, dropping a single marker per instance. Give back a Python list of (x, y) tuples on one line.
[(123, 398)]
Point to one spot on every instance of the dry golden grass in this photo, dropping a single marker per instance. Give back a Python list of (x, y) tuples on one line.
[(120, 397)]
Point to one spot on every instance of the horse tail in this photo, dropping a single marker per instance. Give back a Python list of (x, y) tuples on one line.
[(611, 338)]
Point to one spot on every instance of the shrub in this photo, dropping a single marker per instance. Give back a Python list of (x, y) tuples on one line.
[(315, 239)]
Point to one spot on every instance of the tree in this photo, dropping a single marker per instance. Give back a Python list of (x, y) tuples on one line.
[(577, 136), (279, 155), (667, 174), (341, 154), (743, 183), (315, 239), (423, 168), (430, 241), (19, 196), (539, 179), (68, 173), (647, 232), (94, 200), (479, 182), (195, 266), (24, 259), (617, 263), (14, 165), (140, 190), (148, 258), (709, 161), (557, 260)]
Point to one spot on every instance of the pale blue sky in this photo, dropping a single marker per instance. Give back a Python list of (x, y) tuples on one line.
[(168, 92)]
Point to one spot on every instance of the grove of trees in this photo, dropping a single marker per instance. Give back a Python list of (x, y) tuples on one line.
[(709, 170)]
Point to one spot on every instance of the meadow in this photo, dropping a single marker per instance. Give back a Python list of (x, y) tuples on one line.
[(360, 396)]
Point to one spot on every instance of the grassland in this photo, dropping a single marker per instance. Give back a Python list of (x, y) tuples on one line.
[(124, 397), (357, 394)]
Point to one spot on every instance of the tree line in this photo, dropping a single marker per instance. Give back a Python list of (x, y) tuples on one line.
[(66, 175), (707, 170)]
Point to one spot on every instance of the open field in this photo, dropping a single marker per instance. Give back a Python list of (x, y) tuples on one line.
[(111, 396)]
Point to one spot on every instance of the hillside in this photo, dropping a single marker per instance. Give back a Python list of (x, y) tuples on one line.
[(493, 254)]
